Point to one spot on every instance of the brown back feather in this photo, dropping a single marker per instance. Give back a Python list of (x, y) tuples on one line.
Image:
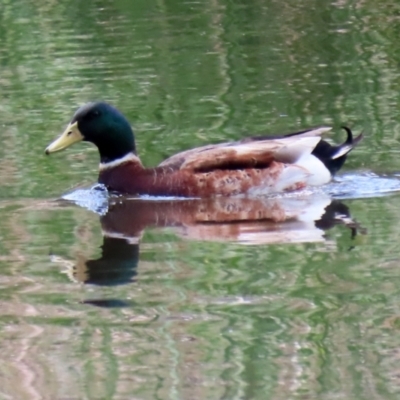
[(247, 153)]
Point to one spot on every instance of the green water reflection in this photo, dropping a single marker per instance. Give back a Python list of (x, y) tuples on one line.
[(195, 316)]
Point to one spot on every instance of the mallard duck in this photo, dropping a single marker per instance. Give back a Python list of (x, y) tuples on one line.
[(251, 166)]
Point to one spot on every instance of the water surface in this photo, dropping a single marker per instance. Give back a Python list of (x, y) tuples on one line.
[(153, 300)]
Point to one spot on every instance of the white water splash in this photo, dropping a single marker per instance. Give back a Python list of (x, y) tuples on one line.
[(94, 199), (347, 186), (362, 185)]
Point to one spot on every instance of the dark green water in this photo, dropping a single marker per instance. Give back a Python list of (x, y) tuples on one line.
[(206, 311)]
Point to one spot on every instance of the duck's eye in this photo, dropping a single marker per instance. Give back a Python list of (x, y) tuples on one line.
[(69, 133)]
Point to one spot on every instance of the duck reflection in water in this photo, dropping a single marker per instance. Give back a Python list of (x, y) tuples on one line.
[(241, 220)]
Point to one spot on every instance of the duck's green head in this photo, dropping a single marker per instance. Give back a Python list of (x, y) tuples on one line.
[(102, 125)]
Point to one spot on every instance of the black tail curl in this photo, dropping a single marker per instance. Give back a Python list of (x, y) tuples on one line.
[(334, 157)]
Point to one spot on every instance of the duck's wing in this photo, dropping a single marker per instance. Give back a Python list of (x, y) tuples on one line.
[(255, 152)]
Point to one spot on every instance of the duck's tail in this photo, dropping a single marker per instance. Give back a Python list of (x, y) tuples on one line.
[(334, 157)]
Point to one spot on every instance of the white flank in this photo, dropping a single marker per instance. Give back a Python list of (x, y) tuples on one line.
[(289, 177), (318, 173), (308, 169), (119, 161)]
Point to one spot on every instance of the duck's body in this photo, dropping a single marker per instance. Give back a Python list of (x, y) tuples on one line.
[(163, 181), (207, 175), (252, 166)]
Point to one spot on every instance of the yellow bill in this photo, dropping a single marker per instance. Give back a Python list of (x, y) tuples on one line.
[(70, 136)]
